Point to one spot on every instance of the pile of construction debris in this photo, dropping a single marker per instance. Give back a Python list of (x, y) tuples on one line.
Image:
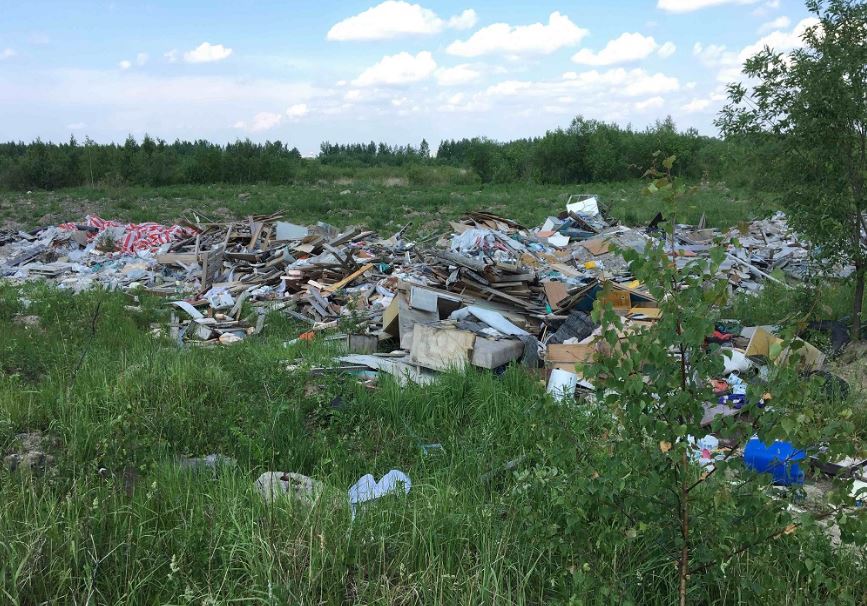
[(489, 293)]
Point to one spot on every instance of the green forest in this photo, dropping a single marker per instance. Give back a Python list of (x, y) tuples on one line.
[(586, 151)]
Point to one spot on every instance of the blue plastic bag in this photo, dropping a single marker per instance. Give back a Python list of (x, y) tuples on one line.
[(780, 459)]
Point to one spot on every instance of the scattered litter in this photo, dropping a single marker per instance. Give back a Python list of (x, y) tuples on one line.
[(211, 462), (30, 453), (780, 459), (562, 384), (277, 484), (368, 489)]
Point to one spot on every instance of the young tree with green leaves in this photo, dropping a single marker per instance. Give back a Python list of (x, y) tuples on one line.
[(811, 105), (654, 380)]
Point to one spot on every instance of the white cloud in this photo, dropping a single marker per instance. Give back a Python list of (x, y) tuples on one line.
[(461, 103), (696, 105), (261, 122), (140, 59), (394, 18), (613, 94), (537, 38), (459, 74), (465, 20), (508, 87), (779, 41), (207, 52), (7, 53), (687, 6), (778, 23), (729, 63), (642, 83), (297, 111), (623, 49), (76, 126), (402, 68), (171, 56), (767, 7), (666, 50), (713, 55), (160, 104), (651, 103), (616, 82)]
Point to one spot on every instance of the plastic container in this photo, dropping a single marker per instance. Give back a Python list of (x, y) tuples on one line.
[(780, 459)]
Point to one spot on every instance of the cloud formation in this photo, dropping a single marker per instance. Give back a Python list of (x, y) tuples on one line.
[(402, 68), (7, 53), (459, 74), (396, 18), (781, 22), (297, 111), (623, 49), (537, 38), (779, 41), (688, 6), (650, 104), (207, 53), (666, 50)]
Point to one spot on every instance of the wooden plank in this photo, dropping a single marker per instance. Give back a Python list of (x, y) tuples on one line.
[(255, 231), (569, 354), (177, 258), (512, 277), (650, 313), (389, 318), (596, 246), (348, 279), (345, 237), (619, 299), (555, 292), (344, 261), (212, 262), (496, 293)]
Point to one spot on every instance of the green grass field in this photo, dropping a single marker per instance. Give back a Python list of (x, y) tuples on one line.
[(107, 395), (373, 204), (148, 532)]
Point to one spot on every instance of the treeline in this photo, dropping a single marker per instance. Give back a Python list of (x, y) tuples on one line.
[(586, 151), (373, 154), (41, 165)]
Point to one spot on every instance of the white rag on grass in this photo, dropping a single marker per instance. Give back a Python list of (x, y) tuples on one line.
[(367, 489)]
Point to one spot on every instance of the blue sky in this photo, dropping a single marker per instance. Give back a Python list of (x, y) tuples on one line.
[(395, 71)]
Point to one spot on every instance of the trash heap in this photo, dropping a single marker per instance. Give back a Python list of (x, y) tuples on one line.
[(489, 293)]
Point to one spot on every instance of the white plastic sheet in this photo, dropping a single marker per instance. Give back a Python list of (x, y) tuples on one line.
[(562, 384), (219, 298), (367, 489), (584, 207)]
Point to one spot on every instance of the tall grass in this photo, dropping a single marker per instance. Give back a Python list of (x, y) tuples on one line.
[(373, 198), (150, 532)]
